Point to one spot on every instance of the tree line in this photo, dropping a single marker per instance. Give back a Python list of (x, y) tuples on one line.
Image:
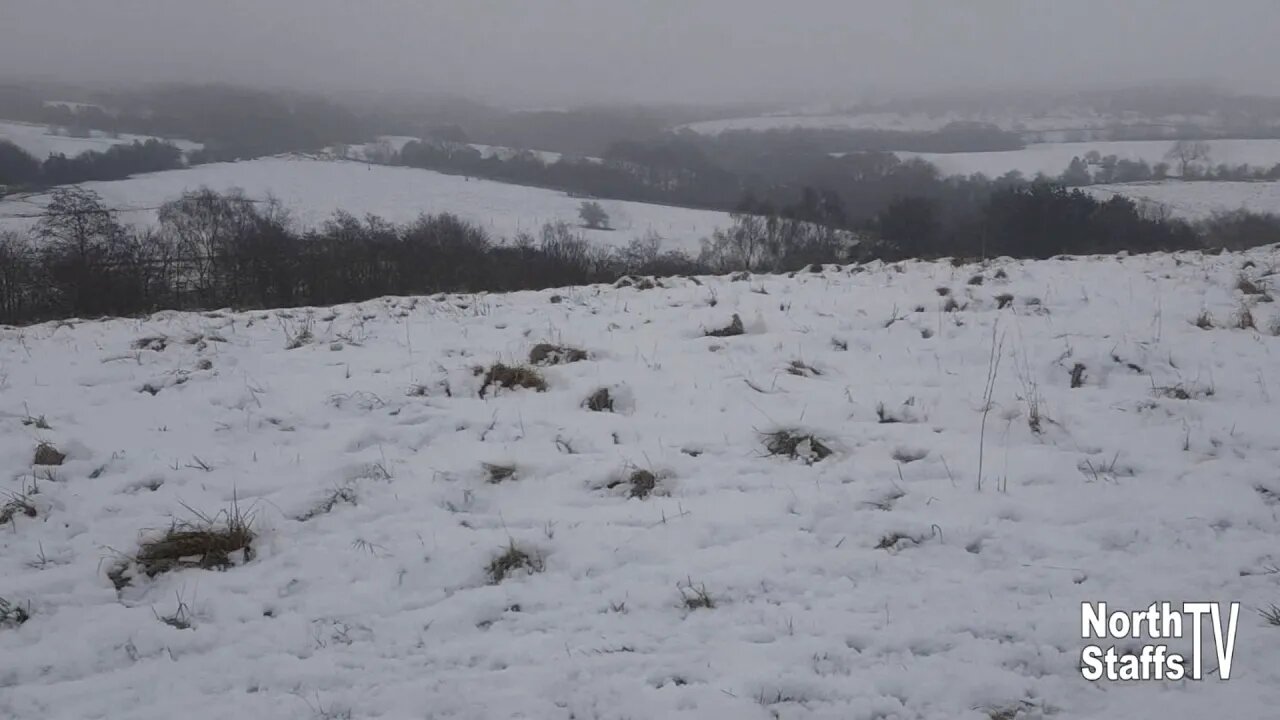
[(213, 250), (21, 171)]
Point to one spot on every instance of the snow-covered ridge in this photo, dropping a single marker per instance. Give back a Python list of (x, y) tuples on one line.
[(40, 142), (880, 581)]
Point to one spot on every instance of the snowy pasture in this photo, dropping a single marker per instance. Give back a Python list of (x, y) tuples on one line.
[(1053, 158), (1199, 199), (1127, 455), (314, 189), (39, 142)]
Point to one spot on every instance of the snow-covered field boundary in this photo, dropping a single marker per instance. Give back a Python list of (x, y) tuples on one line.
[(383, 481)]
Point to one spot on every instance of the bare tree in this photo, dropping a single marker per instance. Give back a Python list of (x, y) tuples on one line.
[(1186, 153)]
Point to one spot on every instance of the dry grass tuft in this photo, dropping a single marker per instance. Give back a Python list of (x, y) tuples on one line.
[(801, 369), (13, 507), (11, 616), (1077, 375), (696, 598), (498, 473), (1249, 287), (796, 445), (976, 280), (47, 454), (943, 291), (1204, 321), (207, 543), (342, 495), (1271, 615), (157, 343), (734, 327), (643, 484), (37, 422), (508, 377), (547, 354), (1003, 300), (599, 401), (513, 560), (1243, 319)]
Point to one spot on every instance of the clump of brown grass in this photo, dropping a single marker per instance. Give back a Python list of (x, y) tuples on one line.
[(943, 291), (11, 615), (796, 445), (508, 377), (799, 368), (16, 505), (47, 454), (735, 327), (157, 343), (599, 401), (695, 597), (498, 473), (1244, 319), (548, 354), (977, 280), (207, 543), (342, 495), (1003, 300), (643, 483), (1077, 375), (513, 560), (1249, 287), (1204, 321)]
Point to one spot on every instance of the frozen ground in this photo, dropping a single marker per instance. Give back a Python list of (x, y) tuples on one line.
[(1198, 200), (39, 142), (885, 581), (1052, 158), (314, 189)]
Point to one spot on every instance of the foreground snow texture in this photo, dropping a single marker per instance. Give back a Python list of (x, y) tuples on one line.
[(879, 582)]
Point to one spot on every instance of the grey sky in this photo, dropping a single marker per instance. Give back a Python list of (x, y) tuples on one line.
[(532, 52)]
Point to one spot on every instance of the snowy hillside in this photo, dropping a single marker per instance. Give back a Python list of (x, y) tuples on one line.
[(314, 189), (1198, 200), (423, 546), (1053, 158), (39, 142)]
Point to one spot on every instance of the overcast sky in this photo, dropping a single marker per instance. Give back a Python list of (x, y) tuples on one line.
[(547, 52)]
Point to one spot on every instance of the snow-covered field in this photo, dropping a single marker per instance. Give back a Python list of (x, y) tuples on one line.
[(1198, 200), (888, 580), (1053, 158), (39, 142), (314, 189)]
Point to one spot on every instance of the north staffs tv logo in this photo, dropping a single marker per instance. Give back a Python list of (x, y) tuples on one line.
[(1156, 661)]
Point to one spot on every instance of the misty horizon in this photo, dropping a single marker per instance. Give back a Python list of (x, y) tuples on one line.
[(569, 52)]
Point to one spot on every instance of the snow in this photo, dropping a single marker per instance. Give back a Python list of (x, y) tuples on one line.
[(381, 606), (1198, 199), (1053, 158), (314, 189), (39, 142)]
